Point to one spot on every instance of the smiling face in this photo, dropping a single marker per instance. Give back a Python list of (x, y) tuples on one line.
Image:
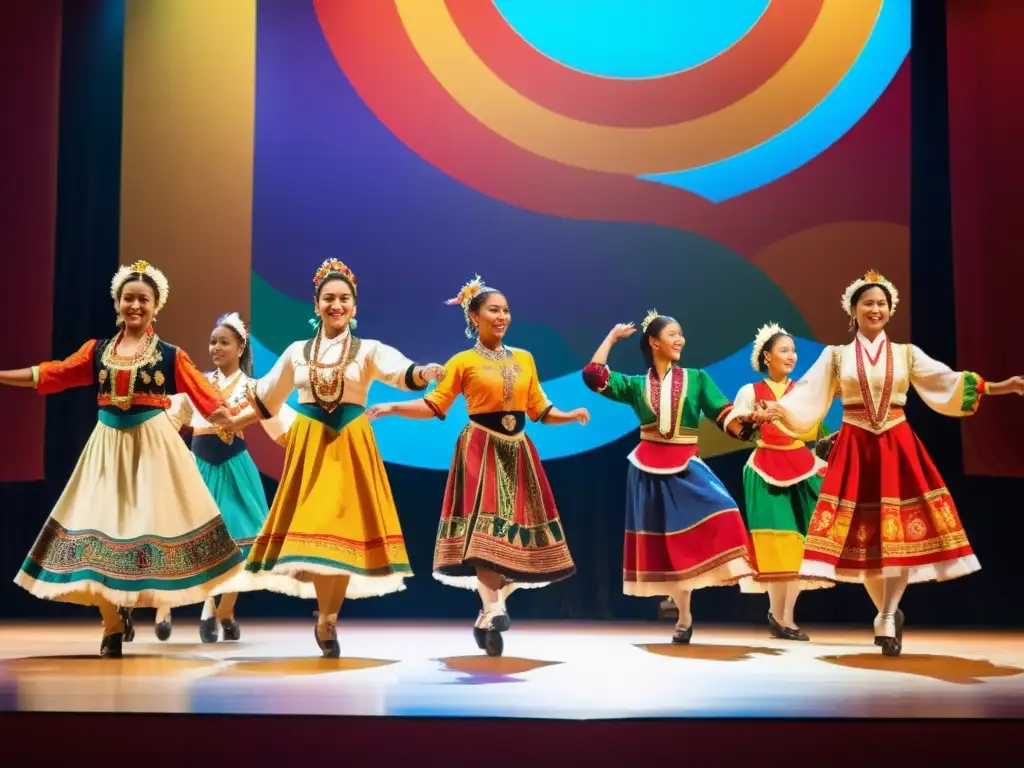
[(872, 311), (225, 349), (780, 357), (137, 304), (669, 343), (492, 318), (335, 305)]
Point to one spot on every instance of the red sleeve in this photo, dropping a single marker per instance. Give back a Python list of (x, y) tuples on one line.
[(75, 371), (191, 382)]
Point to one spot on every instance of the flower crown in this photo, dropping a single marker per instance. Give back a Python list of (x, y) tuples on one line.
[(122, 275), (465, 297), (872, 277), (233, 321), (334, 267), (764, 333), (652, 315)]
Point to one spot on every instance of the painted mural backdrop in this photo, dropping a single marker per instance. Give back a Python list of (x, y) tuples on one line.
[(592, 159)]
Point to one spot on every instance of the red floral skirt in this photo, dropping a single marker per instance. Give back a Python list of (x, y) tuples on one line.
[(884, 507), (499, 512)]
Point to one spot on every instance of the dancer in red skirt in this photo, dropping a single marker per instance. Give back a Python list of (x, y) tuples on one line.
[(499, 526), (884, 517)]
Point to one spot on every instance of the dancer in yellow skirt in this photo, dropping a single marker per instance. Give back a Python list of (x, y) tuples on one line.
[(333, 527)]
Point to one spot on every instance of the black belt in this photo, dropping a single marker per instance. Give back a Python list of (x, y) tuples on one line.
[(213, 450), (502, 422)]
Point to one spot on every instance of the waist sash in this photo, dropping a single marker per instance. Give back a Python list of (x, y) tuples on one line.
[(337, 419), (509, 423), (213, 449), (118, 419)]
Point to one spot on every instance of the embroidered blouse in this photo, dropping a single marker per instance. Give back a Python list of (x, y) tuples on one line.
[(669, 411), (144, 382), (779, 458), (872, 379), (367, 361), (503, 382), (184, 414)]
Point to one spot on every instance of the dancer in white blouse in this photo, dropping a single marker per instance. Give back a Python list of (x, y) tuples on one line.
[(884, 516)]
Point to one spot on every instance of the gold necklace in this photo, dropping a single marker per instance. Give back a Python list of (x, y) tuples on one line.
[(327, 381), (146, 354), (508, 372)]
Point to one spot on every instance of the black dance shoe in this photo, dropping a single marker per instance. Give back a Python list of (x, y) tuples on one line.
[(329, 648), (682, 636), (494, 644), (110, 648), (129, 625), (231, 629), (892, 646), (163, 630), (208, 630), (779, 632)]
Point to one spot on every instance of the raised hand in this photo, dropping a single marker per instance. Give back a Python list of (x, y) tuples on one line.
[(622, 331)]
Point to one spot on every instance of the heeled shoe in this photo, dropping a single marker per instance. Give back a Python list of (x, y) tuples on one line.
[(682, 636), (110, 646)]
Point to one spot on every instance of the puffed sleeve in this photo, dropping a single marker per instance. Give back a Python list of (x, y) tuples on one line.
[(181, 411), (537, 404), (613, 385), (391, 367), (440, 399), (715, 405), (269, 393), (743, 405), (190, 381), (806, 404), (945, 391), (74, 371)]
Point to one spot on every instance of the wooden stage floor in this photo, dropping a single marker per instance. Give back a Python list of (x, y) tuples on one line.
[(552, 671)]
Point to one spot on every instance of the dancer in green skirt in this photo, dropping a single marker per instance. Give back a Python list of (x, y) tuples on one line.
[(781, 481)]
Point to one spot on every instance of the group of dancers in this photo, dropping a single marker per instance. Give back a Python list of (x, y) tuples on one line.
[(146, 522)]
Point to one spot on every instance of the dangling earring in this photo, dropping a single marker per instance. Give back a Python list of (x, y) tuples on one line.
[(853, 323), (119, 321)]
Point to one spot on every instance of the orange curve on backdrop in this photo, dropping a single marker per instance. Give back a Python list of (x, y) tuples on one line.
[(636, 102), (825, 57)]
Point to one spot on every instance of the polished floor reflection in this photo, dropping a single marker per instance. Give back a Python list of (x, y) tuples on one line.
[(565, 671)]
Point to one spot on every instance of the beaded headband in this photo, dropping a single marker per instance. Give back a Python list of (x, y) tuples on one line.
[(465, 297), (233, 321), (123, 275), (764, 333), (652, 315), (333, 268), (871, 278)]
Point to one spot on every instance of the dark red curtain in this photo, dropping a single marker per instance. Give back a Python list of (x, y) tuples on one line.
[(986, 131), (30, 38)]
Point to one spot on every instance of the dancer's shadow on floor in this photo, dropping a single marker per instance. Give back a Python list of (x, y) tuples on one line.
[(709, 652), (948, 669), (312, 665), (491, 670)]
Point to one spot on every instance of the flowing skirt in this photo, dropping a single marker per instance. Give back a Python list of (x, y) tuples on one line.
[(683, 531), (778, 516), (499, 512), (135, 526), (884, 507), (333, 515)]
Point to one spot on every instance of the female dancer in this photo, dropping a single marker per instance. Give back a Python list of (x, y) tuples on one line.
[(781, 481), (333, 529), (683, 530), (499, 526), (884, 516), (227, 468), (135, 525)]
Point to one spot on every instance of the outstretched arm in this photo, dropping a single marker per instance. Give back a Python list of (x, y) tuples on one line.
[(555, 417), (954, 393), (396, 370), (802, 408), (412, 409), (21, 377), (57, 375)]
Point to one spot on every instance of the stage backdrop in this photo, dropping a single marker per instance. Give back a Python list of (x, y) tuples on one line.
[(592, 160)]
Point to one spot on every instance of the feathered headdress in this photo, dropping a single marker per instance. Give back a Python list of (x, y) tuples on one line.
[(872, 277), (233, 321), (333, 267), (764, 333), (652, 315), (122, 276), (469, 291)]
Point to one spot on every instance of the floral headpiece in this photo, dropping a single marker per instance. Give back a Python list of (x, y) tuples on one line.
[(333, 267), (465, 297), (764, 333), (652, 315), (233, 321), (871, 278), (122, 276)]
